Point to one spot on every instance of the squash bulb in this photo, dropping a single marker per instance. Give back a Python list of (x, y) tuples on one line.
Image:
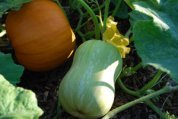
[(40, 35), (88, 88)]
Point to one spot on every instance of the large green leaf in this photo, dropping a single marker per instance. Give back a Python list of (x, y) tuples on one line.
[(11, 4), (17, 103), (156, 36), (9, 69)]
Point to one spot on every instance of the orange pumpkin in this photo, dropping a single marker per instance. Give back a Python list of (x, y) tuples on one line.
[(40, 35)]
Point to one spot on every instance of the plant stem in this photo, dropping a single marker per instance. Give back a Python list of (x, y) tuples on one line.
[(95, 9), (79, 23), (165, 89), (128, 33), (151, 83), (107, 3), (147, 86), (99, 10), (94, 18), (81, 35), (127, 90), (83, 24), (128, 71), (155, 108), (117, 7), (135, 93), (89, 34), (137, 67)]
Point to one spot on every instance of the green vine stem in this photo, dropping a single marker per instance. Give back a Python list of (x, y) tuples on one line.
[(128, 71), (137, 67), (96, 9), (151, 83), (137, 94), (94, 18), (117, 7), (165, 89), (107, 3), (155, 108), (131, 70), (81, 35), (129, 31), (99, 7), (89, 34), (82, 24), (127, 90)]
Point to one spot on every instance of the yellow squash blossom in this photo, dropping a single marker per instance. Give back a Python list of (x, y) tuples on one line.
[(113, 36)]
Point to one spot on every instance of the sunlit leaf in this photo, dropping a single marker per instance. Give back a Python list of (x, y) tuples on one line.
[(155, 30), (170, 116), (17, 103)]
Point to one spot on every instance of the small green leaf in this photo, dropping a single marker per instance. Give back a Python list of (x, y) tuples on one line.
[(9, 69), (17, 103), (170, 116), (11, 5)]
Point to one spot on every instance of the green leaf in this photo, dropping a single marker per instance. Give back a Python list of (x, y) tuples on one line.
[(11, 5), (9, 69), (130, 3), (17, 103), (156, 36), (122, 12)]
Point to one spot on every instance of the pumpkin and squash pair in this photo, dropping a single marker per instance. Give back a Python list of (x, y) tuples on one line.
[(43, 39)]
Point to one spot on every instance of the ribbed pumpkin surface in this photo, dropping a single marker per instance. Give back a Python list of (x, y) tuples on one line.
[(40, 35)]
